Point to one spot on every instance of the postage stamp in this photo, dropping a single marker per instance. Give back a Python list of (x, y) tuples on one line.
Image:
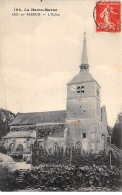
[(107, 16)]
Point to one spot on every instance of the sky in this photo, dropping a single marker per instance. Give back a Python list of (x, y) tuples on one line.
[(39, 55)]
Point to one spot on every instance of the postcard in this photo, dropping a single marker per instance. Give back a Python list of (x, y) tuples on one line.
[(60, 95)]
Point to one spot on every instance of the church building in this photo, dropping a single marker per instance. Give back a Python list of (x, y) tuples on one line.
[(82, 125)]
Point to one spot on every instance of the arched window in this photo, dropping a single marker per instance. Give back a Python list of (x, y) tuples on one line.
[(11, 146), (55, 147), (20, 148), (78, 147)]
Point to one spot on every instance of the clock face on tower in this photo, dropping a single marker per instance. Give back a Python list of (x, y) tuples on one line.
[(73, 87)]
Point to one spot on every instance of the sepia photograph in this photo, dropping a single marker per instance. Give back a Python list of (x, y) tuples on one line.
[(60, 96)]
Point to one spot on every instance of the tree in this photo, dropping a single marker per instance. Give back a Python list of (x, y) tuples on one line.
[(3, 150), (117, 132), (6, 118), (109, 129)]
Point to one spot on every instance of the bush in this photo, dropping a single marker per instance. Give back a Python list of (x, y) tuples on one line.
[(7, 180), (74, 157), (72, 178), (3, 150)]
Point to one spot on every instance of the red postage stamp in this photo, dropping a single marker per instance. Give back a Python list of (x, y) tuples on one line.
[(108, 16)]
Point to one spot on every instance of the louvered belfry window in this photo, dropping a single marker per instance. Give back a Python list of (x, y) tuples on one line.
[(80, 89)]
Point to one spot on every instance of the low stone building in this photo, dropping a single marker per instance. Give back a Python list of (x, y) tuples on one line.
[(19, 140), (48, 128), (82, 125)]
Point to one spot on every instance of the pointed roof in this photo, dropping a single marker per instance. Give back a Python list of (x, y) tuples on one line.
[(82, 77), (84, 60)]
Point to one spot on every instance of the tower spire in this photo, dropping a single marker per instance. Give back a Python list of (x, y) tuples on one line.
[(84, 60)]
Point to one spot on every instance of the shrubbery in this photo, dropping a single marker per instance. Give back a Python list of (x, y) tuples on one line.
[(3, 150), (74, 157), (66, 170), (7, 180), (62, 178), (70, 178), (72, 170)]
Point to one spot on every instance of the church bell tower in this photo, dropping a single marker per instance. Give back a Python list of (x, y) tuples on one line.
[(83, 108)]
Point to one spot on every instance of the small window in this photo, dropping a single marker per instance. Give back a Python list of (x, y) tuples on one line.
[(80, 89), (84, 135), (55, 147), (98, 92)]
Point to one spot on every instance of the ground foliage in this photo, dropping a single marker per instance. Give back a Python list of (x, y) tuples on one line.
[(70, 170), (3, 150), (62, 178), (71, 178), (7, 179), (72, 156)]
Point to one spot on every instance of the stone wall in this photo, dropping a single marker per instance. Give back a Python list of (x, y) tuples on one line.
[(81, 108), (85, 133), (51, 143), (18, 145)]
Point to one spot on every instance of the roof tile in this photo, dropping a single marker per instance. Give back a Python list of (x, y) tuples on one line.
[(40, 117)]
